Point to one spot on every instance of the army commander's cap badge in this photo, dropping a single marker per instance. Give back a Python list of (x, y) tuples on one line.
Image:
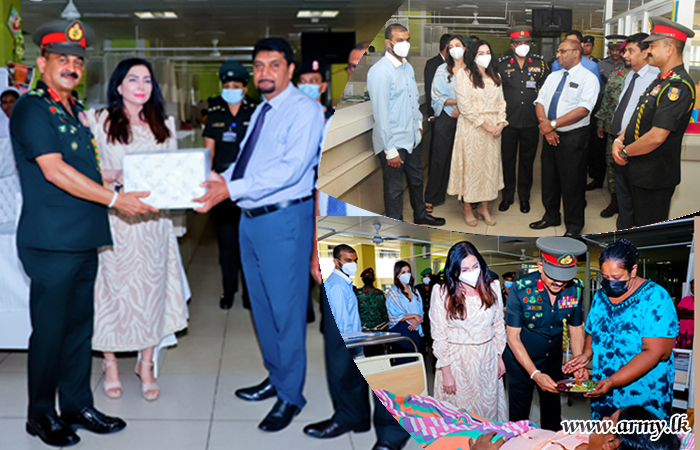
[(559, 256), (66, 37)]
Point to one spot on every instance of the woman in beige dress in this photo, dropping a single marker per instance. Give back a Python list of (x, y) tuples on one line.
[(469, 335), (139, 290), (476, 175)]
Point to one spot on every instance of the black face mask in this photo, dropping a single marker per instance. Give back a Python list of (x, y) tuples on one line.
[(368, 281), (615, 288)]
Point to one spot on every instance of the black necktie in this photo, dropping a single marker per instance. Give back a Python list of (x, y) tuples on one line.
[(243, 159), (617, 118)]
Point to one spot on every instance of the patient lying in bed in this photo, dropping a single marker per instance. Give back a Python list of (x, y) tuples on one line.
[(438, 425)]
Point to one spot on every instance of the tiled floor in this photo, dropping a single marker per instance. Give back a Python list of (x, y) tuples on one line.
[(197, 410)]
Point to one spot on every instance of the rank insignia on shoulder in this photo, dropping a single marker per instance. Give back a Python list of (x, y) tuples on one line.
[(673, 94), (675, 76)]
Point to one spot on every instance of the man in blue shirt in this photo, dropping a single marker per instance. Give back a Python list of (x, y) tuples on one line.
[(398, 126), (341, 295), (585, 61), (273, 182)]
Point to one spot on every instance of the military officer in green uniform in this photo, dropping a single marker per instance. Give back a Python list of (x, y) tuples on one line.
[(523, 75), (649, 149), (227, 121), (611, 97), (537, 306), (62, 223)]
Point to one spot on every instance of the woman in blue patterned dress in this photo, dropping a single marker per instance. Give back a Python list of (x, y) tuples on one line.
[(631, 330)]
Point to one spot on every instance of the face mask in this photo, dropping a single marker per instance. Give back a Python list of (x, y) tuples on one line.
[(350, 269), (405, 277), (483, 61), (402, 48), (471, 278), (368, 281), (508, 284), (232, 96), (426, 280), (522, 50), (615, 288), (457, 52), (312, 90)]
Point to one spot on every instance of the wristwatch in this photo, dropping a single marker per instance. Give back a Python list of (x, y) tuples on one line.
[(623, 153), (553, 124)]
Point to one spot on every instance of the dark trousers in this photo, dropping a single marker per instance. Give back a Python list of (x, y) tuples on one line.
[(393, 184), (227, 217), (62, 306), (520, 391), (564, 177), (651, 205), (275, 251), (623, 190), (596, 153), (528, 138), (440, 159), (348, 388)]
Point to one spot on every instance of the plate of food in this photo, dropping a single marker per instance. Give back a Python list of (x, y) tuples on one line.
[(576, 386)]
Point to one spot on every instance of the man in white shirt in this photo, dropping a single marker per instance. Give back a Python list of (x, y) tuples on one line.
[(639, 78), (563, 109)]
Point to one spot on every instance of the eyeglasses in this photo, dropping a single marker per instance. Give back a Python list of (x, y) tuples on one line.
[(565, 50)]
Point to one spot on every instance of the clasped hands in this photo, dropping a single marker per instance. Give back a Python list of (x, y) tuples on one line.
[(413, 321), (548, 132), (495, 130)]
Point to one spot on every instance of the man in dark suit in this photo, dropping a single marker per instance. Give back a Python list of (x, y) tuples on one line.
[(63, 222), (429, 72)]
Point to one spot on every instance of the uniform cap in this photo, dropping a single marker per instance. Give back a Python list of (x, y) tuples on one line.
[(366, 272), (663, 28), (559, 256), (313, 65), (520, 33), (615, 40), (588, 39), (233, 70), (426, 272), (65, 37)]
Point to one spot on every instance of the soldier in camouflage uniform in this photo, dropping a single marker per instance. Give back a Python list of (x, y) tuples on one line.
[(611, 97)]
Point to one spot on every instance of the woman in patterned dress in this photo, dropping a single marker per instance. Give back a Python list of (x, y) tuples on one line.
[(469, 335), (631, 330), (476, 173), (139, 288)]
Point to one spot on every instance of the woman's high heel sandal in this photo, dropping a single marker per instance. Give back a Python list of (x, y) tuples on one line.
[(113, 389), (150, 391)]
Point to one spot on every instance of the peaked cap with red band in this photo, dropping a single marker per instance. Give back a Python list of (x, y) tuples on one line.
[(520, 33), (559, 256), (65, 37), (663, 28)]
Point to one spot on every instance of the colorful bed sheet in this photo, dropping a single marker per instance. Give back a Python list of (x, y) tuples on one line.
[(427, 419)]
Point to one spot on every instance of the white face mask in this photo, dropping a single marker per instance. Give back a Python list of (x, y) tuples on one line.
[(483, 61), (402, 48), (350, 269), (522, 50), (457, 52), (405, 277), (471, 278), (426, 280)]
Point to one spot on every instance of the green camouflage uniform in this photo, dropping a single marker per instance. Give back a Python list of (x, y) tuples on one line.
[(611, 97)]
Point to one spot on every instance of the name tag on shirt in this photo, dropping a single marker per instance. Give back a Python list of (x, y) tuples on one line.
[(573, 85), (229, 136), (531, 84)]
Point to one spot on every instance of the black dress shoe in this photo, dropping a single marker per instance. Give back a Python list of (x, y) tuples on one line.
[(226, 301), (52, 430), (525, 206), (542, 224), (571, 234), (326, 429), (383, 445), (430, 220), (595, 184), (93, 420), (279, 416), (505, 204), (262, 391)]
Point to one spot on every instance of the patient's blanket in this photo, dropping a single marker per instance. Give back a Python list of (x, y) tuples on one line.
[(427, 419)]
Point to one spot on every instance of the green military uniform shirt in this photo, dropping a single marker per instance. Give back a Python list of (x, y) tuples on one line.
[(611, 97), (667, 103), (53, 219)]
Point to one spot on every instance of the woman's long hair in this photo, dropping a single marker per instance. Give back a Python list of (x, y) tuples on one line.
[(117, 124), (450, 60), (473, 68), (398, 267), (456, 309)]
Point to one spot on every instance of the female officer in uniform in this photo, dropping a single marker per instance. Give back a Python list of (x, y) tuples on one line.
[(227, 121), (536, 308)]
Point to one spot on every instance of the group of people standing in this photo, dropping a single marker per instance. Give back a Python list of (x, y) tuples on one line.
[(475, 344), (488, 113)]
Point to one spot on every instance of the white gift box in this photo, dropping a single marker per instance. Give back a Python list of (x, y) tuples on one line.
[(172, 177)]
